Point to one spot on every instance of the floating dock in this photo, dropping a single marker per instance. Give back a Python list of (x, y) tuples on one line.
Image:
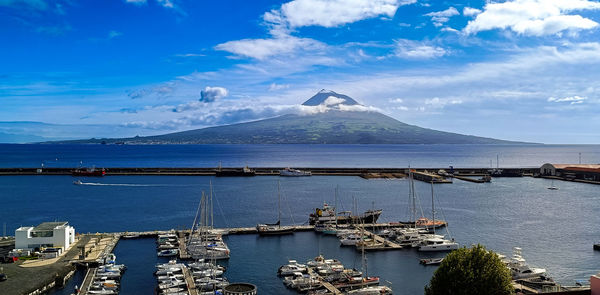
[(380, 244)]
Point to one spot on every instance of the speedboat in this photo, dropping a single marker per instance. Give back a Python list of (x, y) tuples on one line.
[(77, 182)]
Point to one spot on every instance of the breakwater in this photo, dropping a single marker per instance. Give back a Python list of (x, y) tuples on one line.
[(208, 171)]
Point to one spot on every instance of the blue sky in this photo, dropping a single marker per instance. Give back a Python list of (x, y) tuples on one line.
[(520, 69)]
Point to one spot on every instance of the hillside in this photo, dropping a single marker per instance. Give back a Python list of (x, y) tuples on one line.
[(336, 125)]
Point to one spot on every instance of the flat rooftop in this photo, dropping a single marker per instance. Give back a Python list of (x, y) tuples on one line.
[(48, 226)]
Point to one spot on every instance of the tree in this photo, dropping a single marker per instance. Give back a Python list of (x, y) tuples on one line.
[(471, 271)]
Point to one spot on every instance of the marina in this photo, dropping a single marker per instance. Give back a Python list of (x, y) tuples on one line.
[(460, 201)]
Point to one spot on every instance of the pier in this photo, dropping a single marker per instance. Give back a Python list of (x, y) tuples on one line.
[(380, 243), (332, 289), (189, 281)]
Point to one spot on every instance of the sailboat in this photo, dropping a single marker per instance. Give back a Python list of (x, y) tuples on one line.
[(275, 228), (434, 242), (422, 222), (366, 286), (203, 242), (552, 187)]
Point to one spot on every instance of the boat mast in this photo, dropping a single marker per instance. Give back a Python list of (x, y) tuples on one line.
[(278, 205), (432, 209), (212, 219), (335, 206), (411, 189)]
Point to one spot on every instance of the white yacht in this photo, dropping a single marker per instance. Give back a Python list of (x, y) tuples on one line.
[(294, 172), (351, 240), (437, 244), (372, 290), (520, 269), (292, 267)]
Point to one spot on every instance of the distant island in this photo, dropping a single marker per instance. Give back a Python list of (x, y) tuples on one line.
[(329, 118)]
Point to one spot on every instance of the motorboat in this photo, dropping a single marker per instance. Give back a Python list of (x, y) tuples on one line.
[(351, 240), (294, 172), (168, 253), (431, 261), (437, 244), (77, 182), (371, 290), (520, 269), (292, 267)]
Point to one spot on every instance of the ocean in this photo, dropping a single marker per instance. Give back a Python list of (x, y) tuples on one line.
[(556, 229), (300, 155)]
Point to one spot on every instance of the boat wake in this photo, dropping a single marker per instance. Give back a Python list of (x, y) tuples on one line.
[(120, 184)]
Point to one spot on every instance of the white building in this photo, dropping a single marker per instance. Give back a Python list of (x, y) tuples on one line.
[(47, 234)]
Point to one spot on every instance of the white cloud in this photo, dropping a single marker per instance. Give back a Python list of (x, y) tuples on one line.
[(332, 100), (35, 4), (275, 86), (469, 11), (210, 94), (166, 3), (410, 49), (570, 99), (436, 102), (264, 48), (449, 29), (114, 34), (441, 17), (534, 17), (189, 55), (331, 13), (397, 100)]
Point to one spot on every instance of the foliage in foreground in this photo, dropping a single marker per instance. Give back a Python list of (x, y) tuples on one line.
[(471, 271)]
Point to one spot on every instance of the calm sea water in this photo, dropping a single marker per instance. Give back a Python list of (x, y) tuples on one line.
[(556, 229), (13, 155)]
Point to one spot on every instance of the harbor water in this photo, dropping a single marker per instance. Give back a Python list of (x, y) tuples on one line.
[(556, 229), (295, 155)]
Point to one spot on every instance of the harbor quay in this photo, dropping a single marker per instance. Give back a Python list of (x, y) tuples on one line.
[(88, 252), (585, 173)]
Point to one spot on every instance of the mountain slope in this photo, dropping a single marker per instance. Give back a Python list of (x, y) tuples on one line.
[(333, 127), (335, 119)]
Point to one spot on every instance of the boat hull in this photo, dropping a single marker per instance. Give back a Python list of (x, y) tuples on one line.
[(369, 217)]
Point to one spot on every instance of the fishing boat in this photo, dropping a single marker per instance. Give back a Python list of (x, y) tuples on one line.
[(275, 228), (327, 214), (89, 172), (294, 172), (431, 261)]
